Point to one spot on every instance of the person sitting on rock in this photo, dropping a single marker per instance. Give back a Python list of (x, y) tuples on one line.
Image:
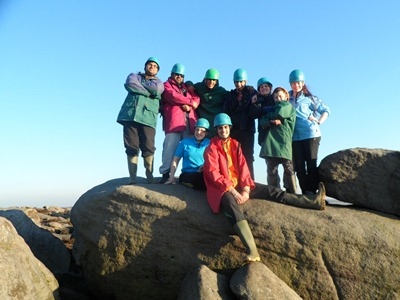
[(229, 184), (192, 151)]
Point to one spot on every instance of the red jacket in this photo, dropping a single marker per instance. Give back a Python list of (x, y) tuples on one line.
[(173, 97), (216, 175)]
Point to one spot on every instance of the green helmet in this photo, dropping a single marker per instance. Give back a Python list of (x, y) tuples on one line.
[(240, 75), (202, 123), (212, 74), (153, 59), (296, 76), (178, 69), (263, 80), (222, 119)]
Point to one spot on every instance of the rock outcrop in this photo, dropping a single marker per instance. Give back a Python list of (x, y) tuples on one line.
[(22, 275), (364, 177), (143, 240)]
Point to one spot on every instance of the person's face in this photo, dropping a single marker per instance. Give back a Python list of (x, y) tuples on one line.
[(211, 83), (280, 96), (151, 68), (297, 86), (178, 78), (200, 133), (223, 131), (240, 84), (264, 89)]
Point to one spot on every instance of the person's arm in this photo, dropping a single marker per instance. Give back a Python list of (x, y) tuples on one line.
[(174, 166)]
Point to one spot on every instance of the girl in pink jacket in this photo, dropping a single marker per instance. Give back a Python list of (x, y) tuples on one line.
[(179, 116)]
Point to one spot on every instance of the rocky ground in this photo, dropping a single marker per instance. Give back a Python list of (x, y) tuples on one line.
[(57, 221)]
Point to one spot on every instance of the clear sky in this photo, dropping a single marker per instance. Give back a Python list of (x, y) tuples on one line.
[(63, 65)]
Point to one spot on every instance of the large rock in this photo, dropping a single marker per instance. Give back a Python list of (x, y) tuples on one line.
[(50, 250), (205, 284), (257, 281), (141, 240), (365, 177), (22, 276)]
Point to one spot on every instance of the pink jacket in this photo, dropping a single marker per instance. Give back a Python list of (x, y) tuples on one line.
[(216, 174), (173, 97)]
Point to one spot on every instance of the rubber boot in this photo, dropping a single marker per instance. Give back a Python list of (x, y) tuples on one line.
[(243, 230), (132, 167), (316, 201), (148, 165), (291, 184)]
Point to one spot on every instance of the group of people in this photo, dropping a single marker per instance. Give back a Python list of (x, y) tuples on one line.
[(219, 159)]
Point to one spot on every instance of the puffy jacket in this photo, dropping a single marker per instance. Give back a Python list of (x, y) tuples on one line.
[(278, 142), (142, 103), (239, 111), (216, 175), (307, 106), (211, 101), (257, 110), (174, 96)]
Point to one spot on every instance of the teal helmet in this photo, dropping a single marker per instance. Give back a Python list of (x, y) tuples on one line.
[(222, 119), (296, 76), (212, 74), (153, 59), (240, 75), (263, 80), (178, 69), (202, 123)]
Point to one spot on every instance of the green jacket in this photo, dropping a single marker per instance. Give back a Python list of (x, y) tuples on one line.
[(278, 142), (142, 103), (211, 102)]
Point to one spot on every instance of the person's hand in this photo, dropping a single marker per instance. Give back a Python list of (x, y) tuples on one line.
[(171, 180), (201, 168), (254, 99), (245, 196), (195, 105), (185, 108), (238, 197), (276, 122)]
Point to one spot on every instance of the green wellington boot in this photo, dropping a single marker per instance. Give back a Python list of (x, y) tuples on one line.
[(243, 230), (316, 201), (132, 167), (148, 165)]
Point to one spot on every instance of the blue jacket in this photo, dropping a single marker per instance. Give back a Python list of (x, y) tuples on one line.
[(192, 152), (142, 103), (307, 106)]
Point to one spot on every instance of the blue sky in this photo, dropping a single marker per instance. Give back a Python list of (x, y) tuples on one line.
[(63, 65)]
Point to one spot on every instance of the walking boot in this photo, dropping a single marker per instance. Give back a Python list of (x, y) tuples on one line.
[(243, 230), (316, 201), (291, 184), (132, 167), (148, 165)]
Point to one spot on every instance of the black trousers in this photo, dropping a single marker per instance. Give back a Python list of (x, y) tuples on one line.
[(305, 155), (193, 179), (246, 140), (233, 211), (139, 137)]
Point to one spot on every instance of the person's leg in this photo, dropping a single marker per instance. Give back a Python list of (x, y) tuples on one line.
[(317, 201), (311, 148), (193, 179), (288, 172), (272, 171), (131, 143), (299, 164), (147, 136), (170, 143), (246, 140), (242, 228)]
